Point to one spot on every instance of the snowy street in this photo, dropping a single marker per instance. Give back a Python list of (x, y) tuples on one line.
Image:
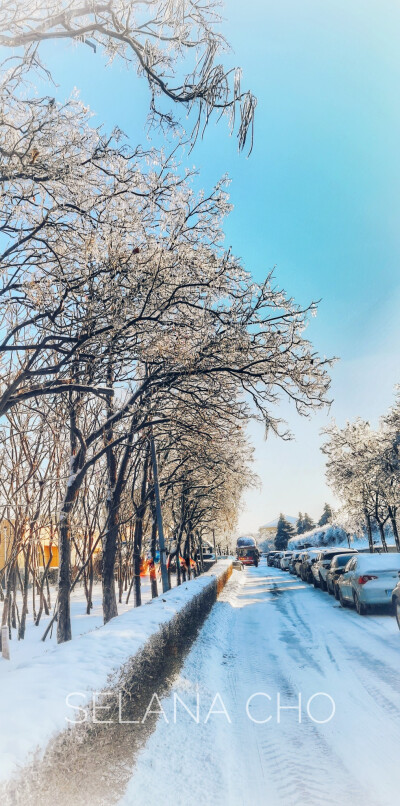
[(270, 634)]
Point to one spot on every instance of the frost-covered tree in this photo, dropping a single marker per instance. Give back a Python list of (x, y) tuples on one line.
[(122, 309), (348, 452), (174, 44), (362, 471), (307, 523), (304, 524), (327, 515), (284, 532)]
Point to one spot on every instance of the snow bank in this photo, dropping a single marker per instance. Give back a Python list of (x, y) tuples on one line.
[(33, 702)]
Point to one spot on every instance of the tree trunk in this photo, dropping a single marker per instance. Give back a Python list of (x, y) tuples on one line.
[(137, 588), (382, 533), (110, 541), (369, 531), (110, 609), (64, 632), (24, 611), (153, 544), (178, 565), (138, 534), (392, 515)]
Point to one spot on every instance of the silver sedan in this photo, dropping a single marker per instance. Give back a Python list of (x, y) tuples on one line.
[(368, 580)]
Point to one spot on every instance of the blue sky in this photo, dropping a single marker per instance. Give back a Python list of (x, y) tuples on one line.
[(319, 197)]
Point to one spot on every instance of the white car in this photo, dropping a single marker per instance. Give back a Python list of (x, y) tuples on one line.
[(368, 580), (285, 560)]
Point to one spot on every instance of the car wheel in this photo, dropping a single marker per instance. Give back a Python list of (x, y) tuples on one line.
[(336, 592), (315, 582), (330, 590), (360, 607), (322, 584), (341, 599)]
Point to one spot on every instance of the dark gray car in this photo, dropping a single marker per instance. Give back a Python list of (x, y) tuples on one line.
[(335, 570)]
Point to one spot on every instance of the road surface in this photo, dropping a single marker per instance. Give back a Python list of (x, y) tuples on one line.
[(269, 641)]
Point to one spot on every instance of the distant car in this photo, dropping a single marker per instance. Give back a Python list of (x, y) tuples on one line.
[(207, 551), (368, 580), (308, 558), (285, 560), (270, 557), (335, 570), (320, 568), (396, 603)]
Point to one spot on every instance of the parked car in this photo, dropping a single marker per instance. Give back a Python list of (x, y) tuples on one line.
[(335, 570), (292, 561), (320, 568), (284, 563), (270, 557), (396, 602), (277, 559), (308, 558), (207, 551), (369, 580), (298, 562)]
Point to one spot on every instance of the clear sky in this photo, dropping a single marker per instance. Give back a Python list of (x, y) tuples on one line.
[(319, 198)]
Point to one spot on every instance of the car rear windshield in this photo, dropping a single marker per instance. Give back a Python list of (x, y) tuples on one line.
[(341, 559)]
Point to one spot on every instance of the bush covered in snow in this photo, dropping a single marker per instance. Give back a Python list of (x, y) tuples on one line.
[(329, 535), (333, 534)]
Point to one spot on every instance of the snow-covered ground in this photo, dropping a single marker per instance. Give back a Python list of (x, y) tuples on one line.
[(272, 636), (32, 646), (35, 683)]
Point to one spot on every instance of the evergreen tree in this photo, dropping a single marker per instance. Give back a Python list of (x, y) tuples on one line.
[(326, 516), (308, 523), (283, 533), (299, 524)]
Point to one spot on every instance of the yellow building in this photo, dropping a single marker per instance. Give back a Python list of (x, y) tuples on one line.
[(46, 540)]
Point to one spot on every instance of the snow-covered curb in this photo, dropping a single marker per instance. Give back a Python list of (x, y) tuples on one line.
[(33, 697)]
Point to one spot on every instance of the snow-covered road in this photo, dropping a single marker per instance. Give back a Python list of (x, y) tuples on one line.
[(270, 634)]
